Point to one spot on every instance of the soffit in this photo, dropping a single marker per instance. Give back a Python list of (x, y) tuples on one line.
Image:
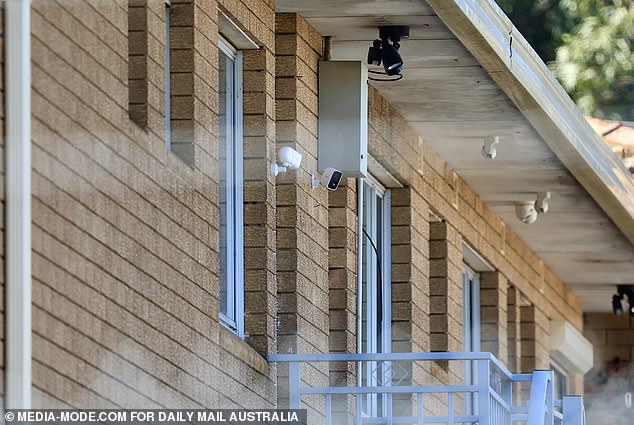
[(452, 103)]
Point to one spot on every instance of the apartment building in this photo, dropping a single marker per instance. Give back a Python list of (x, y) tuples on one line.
[(169, 267)]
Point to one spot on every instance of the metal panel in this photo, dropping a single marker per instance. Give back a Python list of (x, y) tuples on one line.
[(343, 117)]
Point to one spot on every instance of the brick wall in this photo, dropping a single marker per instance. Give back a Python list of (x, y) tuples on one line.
[(342, 295), (410, 288), (125, 234), (513, 329), (410, 272), (184, 41), (259, 201), (613, 373), (494, 314), (445, 288), (302, 213), (402, 153), (138, 61), (611, 335)]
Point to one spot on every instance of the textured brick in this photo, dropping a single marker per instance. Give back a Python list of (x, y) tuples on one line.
[(125, 238), (307, 317)]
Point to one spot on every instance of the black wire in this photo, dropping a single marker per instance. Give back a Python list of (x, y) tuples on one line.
[(378, 264), (371, 71), (399, 77)]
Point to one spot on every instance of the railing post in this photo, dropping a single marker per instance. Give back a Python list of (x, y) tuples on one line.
[(506, 391), (358, 420), (572, 407), (484, 383), (294, 386), (550, 398), (539, 398)]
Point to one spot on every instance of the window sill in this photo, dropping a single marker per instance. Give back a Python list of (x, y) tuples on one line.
[(237, 347)]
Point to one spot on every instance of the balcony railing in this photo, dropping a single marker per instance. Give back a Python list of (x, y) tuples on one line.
[(393, 389)]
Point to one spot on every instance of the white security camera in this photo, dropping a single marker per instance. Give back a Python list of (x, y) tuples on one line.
[(288, 158), (541, 204), (330, 178), (526, 212), (488, 149)]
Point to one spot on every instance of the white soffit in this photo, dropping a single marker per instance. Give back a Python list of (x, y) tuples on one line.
[(569, 347)]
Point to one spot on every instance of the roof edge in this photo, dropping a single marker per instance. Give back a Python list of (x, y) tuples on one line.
[(488, 34)]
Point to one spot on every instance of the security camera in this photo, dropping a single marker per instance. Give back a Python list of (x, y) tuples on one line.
[(541, 204), (330, 178), (488, 149), (288, 158), (526, 212)]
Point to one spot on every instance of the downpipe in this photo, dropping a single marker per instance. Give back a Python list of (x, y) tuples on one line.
[(18, 350)]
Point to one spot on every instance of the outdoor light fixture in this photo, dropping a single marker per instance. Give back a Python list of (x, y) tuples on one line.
[(528, 211), (622, 291), (617, 306), (488, 149), (385, 50), (289, 158)]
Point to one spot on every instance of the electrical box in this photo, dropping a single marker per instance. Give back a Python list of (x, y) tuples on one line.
[(343, 117)]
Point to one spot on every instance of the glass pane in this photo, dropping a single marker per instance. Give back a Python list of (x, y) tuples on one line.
[(224, 156), (378, 231), (364, 286), (560, 384)]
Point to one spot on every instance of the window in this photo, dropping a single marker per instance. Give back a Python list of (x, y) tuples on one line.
[(375, 318), (230, 188), (560, 384), (168, 75), (471, 309), (470, 327)]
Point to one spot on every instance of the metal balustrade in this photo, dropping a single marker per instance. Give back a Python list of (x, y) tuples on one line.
[(484, 396)]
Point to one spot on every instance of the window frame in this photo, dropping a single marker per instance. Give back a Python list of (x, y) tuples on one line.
[(168, 75), (560, 372), (471, 328), (471, 309), (235, 208), (373, 403)]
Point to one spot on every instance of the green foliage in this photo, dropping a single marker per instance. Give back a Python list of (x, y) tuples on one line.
[(595, 63), (532, 18), (588, 45)]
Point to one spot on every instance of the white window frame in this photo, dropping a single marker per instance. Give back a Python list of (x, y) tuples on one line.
[(168, 76), (234, 319), (471, 338), (471, 310), (370, 404)]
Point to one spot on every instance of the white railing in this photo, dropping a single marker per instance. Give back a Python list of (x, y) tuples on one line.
[(476, 388)]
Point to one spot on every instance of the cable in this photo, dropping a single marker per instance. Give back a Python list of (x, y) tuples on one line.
[(399, 77), (378, 264), (371, 71)]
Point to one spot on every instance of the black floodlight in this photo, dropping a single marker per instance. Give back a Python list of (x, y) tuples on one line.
[(624, 290), (617, 306), (385, 50), (392, 61), (374, 54)]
